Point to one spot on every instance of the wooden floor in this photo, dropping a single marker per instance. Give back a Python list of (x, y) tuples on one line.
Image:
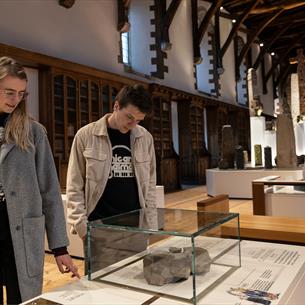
[(186, 199)]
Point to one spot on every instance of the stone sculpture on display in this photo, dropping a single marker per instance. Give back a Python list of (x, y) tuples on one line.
[(285, 142), (239, 157), (163, 267), (227, 148), (258, 154), (268, 157), (285, 138)]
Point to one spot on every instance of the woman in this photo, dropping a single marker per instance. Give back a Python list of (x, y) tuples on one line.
[(30, 200)]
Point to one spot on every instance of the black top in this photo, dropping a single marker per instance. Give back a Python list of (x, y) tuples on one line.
[(4, 223), (121, 192), (3, 118)]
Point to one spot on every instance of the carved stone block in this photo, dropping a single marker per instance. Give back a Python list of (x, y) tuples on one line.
[(163, 267)]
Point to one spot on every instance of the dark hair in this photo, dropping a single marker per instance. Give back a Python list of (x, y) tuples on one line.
[(135, 95)]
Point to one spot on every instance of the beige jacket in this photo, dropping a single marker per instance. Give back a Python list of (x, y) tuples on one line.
[(89, 168)]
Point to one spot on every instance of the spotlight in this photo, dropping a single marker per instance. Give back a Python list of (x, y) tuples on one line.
[(261, 44), (272, 53), (233, 20)]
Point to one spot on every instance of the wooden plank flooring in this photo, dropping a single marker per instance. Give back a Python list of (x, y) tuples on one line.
[(186, 199)]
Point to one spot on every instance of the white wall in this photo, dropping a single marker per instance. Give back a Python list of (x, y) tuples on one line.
[(180, 57), (140, 41), (87, 34), (227, 79), (266, 99)]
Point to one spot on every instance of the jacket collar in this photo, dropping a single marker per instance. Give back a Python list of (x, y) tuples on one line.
[(5, 149), (100, 128)]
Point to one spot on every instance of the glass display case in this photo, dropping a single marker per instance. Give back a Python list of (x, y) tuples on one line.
[(181, 254)]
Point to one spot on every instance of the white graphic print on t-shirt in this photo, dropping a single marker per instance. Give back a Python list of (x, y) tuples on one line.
[(121, 165)]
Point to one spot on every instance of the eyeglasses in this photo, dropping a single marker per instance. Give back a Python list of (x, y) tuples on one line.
[(12, 94)]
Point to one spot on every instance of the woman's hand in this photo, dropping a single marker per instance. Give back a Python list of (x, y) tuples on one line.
[(66, 260)]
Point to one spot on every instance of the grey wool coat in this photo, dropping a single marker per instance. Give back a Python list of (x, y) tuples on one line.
[(34, 206)]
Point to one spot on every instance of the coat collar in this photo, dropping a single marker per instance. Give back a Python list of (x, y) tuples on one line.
[(5, 149), (100, 128)]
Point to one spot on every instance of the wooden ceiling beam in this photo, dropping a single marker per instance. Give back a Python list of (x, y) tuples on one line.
[(268, 45), (284, 55), (263, 10), (294, 19), (238, 24), (66, 3), (207, 18), (123, 22), (197, 59), (167, 16), (254, 34)]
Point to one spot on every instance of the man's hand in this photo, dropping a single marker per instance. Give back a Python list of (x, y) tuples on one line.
[(65, 260)]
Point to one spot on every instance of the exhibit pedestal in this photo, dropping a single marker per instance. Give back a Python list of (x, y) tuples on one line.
[(270, 274), (284, 201), (238, 183)]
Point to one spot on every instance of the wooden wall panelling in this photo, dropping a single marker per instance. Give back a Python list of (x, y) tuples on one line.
[(109, 91), (160, 126), (193, 155), (74, 101)]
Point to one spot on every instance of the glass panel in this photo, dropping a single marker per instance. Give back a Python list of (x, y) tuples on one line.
[(166, 221), (181, 254), (84, 103), (72, 110), (106, 99)]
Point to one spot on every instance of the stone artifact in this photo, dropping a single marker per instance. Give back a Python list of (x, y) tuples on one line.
[(246, 158), (258, 154), (164, 267), (300, 160), (227, 148), (285, 142), (268, 157), (239, 157)]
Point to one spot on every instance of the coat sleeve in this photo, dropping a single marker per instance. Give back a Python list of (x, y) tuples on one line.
[(52, 206), (76, 207), (151, 195)]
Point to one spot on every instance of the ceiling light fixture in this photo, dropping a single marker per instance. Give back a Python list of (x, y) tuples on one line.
[(261, 44), (272, 53), (233, 20)]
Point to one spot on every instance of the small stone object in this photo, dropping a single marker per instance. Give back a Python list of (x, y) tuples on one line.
[(246, 158), (258, 154), (239, 157), (268, 157), (164, 267)]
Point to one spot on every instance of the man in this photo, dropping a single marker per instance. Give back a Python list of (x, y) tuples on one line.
[(112, 167)]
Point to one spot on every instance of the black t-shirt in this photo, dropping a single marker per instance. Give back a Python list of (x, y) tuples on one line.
[(121, 192)]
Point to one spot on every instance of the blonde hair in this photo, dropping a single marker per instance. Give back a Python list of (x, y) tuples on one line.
[(17, 128)]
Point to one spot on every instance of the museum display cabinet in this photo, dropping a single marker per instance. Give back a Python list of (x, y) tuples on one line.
[(237, 183), (194, 156), (220, 114), (180, 254), (277, 196), (71, 101)]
